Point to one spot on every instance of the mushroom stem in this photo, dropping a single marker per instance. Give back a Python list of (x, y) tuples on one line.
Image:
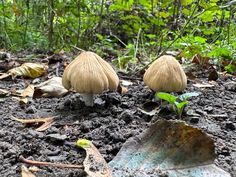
[(88, 99)]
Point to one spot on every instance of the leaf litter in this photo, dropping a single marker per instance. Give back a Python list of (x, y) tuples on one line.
[(44, 123), (94, 164), (25, 172), (31, 70)]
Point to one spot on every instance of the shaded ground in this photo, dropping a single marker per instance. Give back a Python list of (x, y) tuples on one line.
[(109, 124)]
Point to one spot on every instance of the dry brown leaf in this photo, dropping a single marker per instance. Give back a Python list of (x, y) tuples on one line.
[(28, 92), (45, 125), (94, 164), (25, 172), (198, 59), (121, 90), (32, 70), (50, 88), (4, 75), (46, 122), (23, 100), (212, 74), (3, 92)]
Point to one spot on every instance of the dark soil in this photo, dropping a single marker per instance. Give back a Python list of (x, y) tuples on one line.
[(112, 120)]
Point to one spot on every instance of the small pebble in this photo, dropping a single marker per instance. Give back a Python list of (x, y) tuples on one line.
[(57, 137)]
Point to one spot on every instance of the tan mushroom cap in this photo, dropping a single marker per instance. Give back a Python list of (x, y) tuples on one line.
[(89, 73), (165, 75)]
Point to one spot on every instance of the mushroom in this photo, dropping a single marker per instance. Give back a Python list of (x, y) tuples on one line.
[(166, 75), (89, 74)]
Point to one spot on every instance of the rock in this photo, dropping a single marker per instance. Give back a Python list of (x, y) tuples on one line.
[(99, 102), (57, 137)]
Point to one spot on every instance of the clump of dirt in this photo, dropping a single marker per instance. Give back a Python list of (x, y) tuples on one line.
[(112, 120)]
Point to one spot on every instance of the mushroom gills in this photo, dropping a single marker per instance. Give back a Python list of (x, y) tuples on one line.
[(88, 99)]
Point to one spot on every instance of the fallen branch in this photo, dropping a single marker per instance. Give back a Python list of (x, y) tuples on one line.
[(59, 165)]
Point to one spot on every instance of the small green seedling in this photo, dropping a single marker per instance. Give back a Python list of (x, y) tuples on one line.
[(178, 102)]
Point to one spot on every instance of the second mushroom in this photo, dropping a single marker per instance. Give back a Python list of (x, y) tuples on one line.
[(165, 75), (89, 74)]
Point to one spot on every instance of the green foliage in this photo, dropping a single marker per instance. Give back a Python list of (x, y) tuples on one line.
[(194, 27), (230, 68), (178, 102)]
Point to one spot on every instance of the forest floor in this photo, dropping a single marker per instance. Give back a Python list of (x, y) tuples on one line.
[(112, 120)]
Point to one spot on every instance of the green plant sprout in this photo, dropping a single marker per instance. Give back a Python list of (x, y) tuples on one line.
[(178, 102)]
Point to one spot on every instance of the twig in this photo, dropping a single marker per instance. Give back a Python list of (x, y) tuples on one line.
[(137, 43), (78, 48), (118, 39), (59, 165)]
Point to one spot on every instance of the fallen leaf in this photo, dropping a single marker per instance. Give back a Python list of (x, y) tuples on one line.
[(46, 125), (46, 122), (28, 92), (203, 85), (25, 172), (50, 88), (198, 59), (4, 92), (4, 75), (23, 100), (212, 74), (168, 148), (121, 89), (32, 70), (94, 164)]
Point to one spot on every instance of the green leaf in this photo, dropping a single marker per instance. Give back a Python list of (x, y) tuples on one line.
[(220, 52), (186, 96), (186, 2), (230, 68), (186, 12), (200, 40), (167, 97), (180, 105), (164, 14)]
